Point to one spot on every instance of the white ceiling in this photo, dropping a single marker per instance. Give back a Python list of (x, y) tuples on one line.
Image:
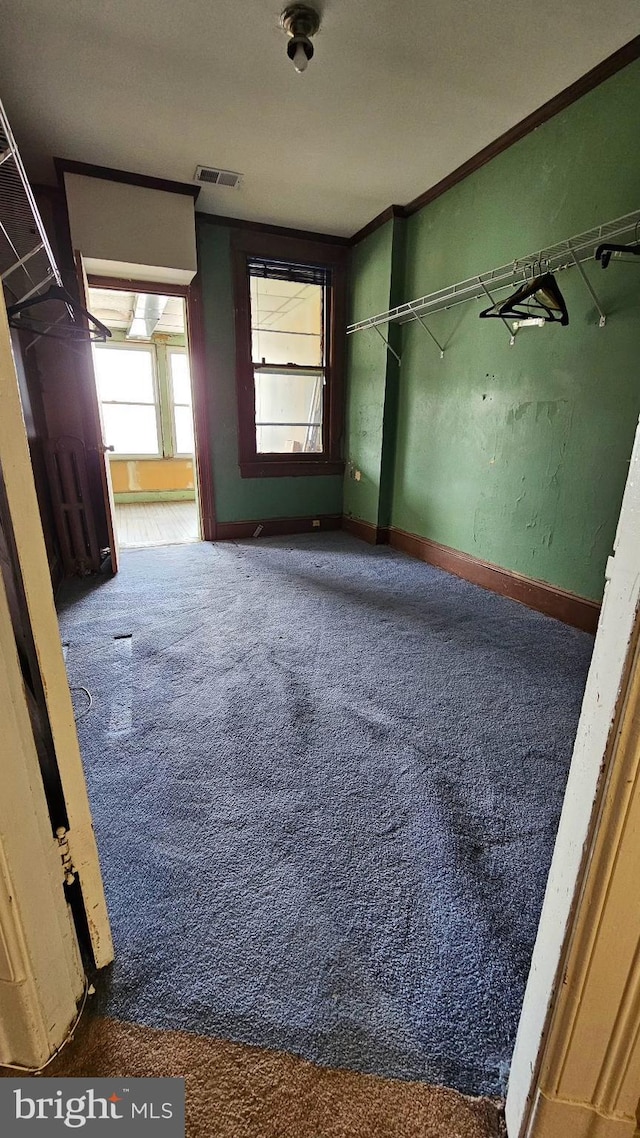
[(398, 94)]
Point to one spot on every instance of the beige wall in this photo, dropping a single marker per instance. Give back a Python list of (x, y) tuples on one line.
[(124, 230)]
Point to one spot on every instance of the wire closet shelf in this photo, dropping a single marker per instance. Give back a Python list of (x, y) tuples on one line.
[(573, 252), (27, 263)]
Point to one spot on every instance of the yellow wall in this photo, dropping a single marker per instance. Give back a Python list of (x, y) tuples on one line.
[(149, 474)]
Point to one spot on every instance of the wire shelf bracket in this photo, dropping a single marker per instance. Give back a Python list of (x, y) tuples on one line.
[(511, 330), (386, 343), (573, 252), (589, 286), (437, 343)]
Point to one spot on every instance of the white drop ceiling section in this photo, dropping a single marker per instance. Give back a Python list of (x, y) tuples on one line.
[(116, 310), (397, 96)]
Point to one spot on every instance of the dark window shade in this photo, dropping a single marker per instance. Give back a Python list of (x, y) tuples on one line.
[(288, 271)]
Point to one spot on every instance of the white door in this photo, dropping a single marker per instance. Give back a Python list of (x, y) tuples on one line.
[(605, 686), (41, 973), (27, 537)]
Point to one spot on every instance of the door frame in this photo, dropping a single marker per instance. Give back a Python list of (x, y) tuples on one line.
[(192, 295), (97, 429), (587, 859)]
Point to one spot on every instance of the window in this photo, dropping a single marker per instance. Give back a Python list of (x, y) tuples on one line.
[(287, 338), (181, 402), (127, 392), (289, 347), (145, 399)]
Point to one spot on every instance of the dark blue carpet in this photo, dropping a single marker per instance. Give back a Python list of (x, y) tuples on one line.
[(326, 781)]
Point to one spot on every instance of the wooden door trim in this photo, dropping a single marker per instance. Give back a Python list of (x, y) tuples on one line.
[(96, 420), (594, 768)]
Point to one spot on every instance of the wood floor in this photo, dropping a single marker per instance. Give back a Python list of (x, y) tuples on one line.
[(156, 523)]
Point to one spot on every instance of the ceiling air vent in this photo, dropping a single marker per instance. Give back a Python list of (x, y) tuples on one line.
[(211, 176)]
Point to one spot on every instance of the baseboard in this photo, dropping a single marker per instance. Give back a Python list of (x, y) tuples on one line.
[(272, 527), (580, 612), (557, 1118), (128, 497), (366, 531)]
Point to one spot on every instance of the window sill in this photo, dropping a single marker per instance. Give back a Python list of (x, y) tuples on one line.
[(288, 468), (114, 457), (148, 457)]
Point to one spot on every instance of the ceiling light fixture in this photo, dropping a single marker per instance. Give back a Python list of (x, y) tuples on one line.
[(300, 22)]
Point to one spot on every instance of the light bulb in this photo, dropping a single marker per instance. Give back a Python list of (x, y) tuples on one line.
[(300, 60)]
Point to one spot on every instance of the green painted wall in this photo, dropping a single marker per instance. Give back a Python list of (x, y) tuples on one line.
[(236, 498), (517, 455), (367, 375), (392, 391)]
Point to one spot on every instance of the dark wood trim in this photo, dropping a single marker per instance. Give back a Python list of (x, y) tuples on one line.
[(245, 394), (132, 284), (274, 230), (387, 215), (620, 59), (272, 527), (198, 358), (62, 243), (257, 242), (580, 612), (192, 294), (94, 443), (108, 174), (366, 531), (283, 467), (253, 465)]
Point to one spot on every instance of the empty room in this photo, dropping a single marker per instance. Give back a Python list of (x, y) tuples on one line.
[(319, 568)]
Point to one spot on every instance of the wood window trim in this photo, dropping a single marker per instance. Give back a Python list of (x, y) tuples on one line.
[(172, 402), (249, 243)]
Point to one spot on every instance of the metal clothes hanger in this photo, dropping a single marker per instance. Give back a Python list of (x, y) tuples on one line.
[(605, 251), (542, 299), (94, 330)]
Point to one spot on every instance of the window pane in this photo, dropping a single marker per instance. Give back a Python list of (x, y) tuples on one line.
[(275, 347), (286, 440), (130, 430), (180, 378), (288, 413), (124, 374), (184, 430), (286, 322)]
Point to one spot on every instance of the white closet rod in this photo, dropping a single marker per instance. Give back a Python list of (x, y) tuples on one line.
[(564, 255)]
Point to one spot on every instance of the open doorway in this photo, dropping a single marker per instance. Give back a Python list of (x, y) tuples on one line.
[(144, 389)]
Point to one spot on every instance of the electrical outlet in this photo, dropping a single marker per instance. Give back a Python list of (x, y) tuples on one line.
[(357, 474), (316, 523)]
